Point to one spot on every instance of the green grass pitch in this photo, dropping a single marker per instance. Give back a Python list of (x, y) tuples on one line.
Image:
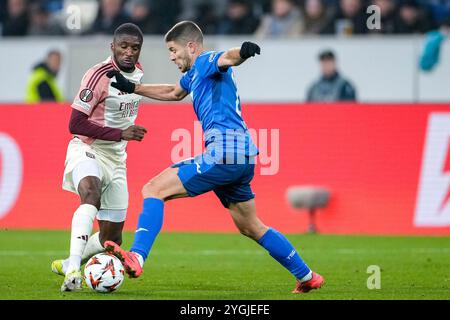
[(229, 266)]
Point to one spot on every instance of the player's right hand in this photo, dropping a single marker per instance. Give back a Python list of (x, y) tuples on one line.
[(122, 84), (134, 132)]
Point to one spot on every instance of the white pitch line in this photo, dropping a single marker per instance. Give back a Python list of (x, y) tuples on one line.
[(344, 251), (184, 252), (402, 250), (20, 253)]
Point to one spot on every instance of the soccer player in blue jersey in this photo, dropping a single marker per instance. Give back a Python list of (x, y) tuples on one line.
[(227, 165)]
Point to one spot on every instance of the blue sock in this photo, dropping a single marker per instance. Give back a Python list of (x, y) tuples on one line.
[(282, 250), (149, 224)]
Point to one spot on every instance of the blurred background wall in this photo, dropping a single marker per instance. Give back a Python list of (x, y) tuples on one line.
[(382, 69)]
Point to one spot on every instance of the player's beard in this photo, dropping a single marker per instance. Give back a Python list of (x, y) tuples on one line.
[(186, 64), (124, 67)]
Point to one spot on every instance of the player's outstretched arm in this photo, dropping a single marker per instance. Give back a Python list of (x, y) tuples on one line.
[(163, 92), (235, 56)]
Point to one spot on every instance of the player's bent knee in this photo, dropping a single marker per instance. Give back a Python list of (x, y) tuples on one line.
[(90, 195), (151, 190), (248, 232), (252, 231)]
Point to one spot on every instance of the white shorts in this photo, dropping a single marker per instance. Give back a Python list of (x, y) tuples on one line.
[(82, 161)]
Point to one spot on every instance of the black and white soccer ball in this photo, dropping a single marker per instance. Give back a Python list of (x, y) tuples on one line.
[(104, 273)]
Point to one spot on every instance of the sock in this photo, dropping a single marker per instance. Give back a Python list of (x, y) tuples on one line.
[(282, 250), (140, 259), (65, 265), (93, 247), (82, 222), (74, 263), (307, 277), (149, 224)]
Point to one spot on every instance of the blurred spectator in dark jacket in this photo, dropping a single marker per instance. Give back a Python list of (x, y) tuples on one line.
[(3, 8), (110, 15), (317, 16), (41, 21), (142, 14), (412, 18), (349, 18), (331, 86), (167, 11), (16, 20), (285, 20), (264, 6), (440, 9), (54, 6), (205, 16), (239, 18), (388, 10)]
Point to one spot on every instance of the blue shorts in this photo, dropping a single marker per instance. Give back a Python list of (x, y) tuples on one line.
[(230, 182)]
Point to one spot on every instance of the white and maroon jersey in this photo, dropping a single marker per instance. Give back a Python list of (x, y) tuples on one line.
[(107, 106)]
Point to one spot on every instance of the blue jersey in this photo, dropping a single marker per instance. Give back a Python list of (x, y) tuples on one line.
[(217, 105)]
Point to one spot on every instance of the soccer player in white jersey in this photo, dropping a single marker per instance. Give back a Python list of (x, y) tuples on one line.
[(102, 122)]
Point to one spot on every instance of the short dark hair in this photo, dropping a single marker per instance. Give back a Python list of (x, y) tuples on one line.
[(184, 32), (129, 29), (327, 55)]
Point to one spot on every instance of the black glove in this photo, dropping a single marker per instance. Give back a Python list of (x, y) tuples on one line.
[(249, 49), (122, 84)]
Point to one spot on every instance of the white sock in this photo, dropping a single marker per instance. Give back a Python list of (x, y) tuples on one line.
[(74, 263), (140, 258), (93, 247), (307, 277), (82, 222), (65, 265)]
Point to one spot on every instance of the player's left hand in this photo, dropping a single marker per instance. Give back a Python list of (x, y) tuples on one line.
[(134, 132), (122, 84), (249, 49)]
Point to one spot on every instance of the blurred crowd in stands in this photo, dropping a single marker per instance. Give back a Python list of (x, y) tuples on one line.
[(263, 18)]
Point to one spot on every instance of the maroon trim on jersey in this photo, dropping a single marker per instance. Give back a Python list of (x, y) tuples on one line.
[(80, 124), (94, 76), (139, 66), (115, 65), (99, 77)]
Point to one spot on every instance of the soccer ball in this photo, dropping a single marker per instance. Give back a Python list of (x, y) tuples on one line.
[(104, 273)]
